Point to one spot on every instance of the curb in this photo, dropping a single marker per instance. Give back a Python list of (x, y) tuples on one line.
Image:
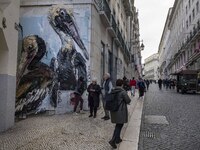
[(132, 130)]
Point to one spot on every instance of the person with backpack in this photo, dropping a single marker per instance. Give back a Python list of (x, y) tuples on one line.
[(119, 114), (94, 91), (126, 84), (107, 87), (141, 87)]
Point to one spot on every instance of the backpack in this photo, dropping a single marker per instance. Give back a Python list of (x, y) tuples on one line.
[(141, 85), (112, 102)]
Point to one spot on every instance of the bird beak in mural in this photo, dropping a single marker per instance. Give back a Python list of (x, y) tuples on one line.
[(65, 22)]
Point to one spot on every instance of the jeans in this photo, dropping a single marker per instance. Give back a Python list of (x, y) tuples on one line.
[(78, 99), (106, 111), (133, 90), (117, 132)]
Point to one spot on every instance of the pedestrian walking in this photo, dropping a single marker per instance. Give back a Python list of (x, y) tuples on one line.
[(147, 84), (141, 87), (94, 91), (107, 87), (120, 116), (78, 100), (160, 84), (126, 83), (132, 85)]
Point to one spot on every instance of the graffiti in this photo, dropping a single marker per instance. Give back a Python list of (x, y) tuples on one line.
[(34, 78), (71, 63), (49, 66)]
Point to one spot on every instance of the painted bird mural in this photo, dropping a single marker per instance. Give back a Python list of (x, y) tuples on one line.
[(35, 79), (71, 63)]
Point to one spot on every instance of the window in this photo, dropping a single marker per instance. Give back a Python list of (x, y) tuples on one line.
[(197, 7), (193, 14), (102, 59), (114, 13), (189, 3), (110, 64), (186, 10), (190, 19)]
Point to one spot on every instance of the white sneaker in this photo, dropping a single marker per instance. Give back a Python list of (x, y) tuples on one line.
[(81, 112)]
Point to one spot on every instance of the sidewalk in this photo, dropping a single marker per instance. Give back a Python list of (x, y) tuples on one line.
[(71, 132), (132, 130)]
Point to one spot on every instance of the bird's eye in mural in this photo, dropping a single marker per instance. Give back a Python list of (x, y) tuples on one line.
[(63, 13), (30, 47)]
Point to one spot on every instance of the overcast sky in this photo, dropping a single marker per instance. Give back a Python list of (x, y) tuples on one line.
[(152, 17)]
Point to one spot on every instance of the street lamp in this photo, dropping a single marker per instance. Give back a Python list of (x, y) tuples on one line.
[(142, 46)]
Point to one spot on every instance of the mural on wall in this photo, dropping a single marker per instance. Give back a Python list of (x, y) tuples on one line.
[(52, 58)]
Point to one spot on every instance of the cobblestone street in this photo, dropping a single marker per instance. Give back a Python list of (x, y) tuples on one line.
[(67, 132), (60, 132), (181, 129)]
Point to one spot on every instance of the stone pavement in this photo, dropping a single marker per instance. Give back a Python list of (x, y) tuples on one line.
[(71, 132), (170, 121)]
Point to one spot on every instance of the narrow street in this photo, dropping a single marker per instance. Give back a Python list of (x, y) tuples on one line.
[(170, 120)]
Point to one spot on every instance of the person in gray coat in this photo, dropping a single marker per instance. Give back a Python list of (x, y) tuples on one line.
[(107, 87), (120, 116)]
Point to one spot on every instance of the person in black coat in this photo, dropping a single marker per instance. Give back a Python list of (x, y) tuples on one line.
[(94, 91), (120, 116)]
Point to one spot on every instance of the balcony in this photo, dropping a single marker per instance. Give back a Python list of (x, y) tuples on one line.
[(105, 12), (117, 41), (127, 7), (119, 36), (113, 29)]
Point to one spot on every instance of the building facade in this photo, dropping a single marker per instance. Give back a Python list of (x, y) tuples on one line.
[(9, 18), (182, 44), (136, 57), (151, 67), (58, 42)]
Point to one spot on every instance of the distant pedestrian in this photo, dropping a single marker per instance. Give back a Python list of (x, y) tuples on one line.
[(160, 84), (94, 91), (141, 87), (147, 83), (132, 85), (120, 116), (126, 83), (107, 87)]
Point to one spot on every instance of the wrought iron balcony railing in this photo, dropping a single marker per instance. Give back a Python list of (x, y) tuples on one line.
[(113, 23), (104, 6)]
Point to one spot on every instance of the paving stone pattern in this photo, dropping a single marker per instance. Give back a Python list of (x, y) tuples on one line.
[(183, 114), (60, 132)]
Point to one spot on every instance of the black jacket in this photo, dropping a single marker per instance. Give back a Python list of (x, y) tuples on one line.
[(121, 116)]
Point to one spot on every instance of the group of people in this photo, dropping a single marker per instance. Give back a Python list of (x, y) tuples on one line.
[(120, 116), (167, 83)]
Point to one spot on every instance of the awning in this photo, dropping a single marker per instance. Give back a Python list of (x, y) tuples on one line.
[(185, 72)]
